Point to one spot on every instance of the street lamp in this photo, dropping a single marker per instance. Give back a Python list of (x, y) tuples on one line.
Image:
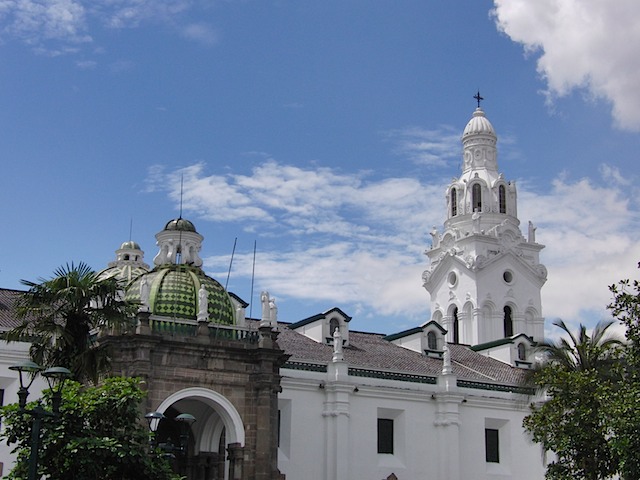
[(184, 420), (55, 377), (25, 367), (154, 421)]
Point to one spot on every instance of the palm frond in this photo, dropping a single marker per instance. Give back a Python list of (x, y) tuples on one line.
[(61, 312)]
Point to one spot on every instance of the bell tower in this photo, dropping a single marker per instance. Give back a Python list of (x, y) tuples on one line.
[(484, 275)]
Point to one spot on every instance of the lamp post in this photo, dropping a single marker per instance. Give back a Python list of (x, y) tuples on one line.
[(55, 377), (154, 422), (184, 420)]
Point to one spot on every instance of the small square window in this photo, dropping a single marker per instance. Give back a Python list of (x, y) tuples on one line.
[(385, 435), (492, 445)]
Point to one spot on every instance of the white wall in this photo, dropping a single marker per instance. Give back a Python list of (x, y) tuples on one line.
[(421, 449), (13, 353)]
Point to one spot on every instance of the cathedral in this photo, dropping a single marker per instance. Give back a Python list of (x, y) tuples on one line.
[(310, 398)]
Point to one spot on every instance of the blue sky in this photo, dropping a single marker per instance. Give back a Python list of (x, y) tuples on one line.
[(324, 131)]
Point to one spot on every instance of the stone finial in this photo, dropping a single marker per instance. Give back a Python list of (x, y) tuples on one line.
[(475, 218), (203, 304), (446, 361), (435, 237), (273, 312), (266, 313), (337, 345), (145, 291), (532, 233)]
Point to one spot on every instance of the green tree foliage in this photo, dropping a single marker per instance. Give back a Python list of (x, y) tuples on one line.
[(97, 436), (60, 315), (625, 406), (577, 377), (591, 419)]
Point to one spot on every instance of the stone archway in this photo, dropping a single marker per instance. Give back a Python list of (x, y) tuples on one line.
[(218, 429)]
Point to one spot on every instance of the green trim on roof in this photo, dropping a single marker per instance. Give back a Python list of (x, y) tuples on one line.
[(311, 367), (238, 299), (306, 321), (495, 387), (319, 316), (494, 343), (410, 377), (440, 327), (501, 341), (405, 377), (405, 333), (347, 318)]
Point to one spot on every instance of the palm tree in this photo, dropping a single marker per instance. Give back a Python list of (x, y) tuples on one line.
[(62, 315), (578, 373), (582, 352)]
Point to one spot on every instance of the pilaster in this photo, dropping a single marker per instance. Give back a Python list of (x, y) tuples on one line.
[(336, 418), (447, 423)]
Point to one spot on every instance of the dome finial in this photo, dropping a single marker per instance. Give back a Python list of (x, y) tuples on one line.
[(181, 192), (478, 98)]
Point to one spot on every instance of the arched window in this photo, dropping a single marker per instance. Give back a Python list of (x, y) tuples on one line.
[(432, 341), (508, 321), (456, 326), (333, 324), (502, 199), (476, 197), (522, 352), (454, 202)]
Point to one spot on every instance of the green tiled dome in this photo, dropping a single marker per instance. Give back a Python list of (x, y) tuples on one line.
[(174, 293), (126, 273)]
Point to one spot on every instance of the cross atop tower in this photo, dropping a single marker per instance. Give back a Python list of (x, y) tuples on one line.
[(478, 98)]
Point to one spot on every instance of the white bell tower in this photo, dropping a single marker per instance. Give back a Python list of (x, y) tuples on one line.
[(484, 276)]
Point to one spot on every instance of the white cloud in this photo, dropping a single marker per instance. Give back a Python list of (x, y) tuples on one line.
[(131, 13), (121, 66), (302, 201), (582, 44), (339, 273), (427, 147), (37, 21), (590, 233), (201, 33), (357, 242), (58, 27), (342, 238), (612, 175), (87, 64)]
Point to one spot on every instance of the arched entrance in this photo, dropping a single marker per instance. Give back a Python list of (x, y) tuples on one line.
[(214, 443)]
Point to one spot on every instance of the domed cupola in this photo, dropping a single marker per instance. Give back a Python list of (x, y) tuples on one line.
[(179, 243), (479, 144), (128, 265), (172, 288), (478, 125), (180, 224)]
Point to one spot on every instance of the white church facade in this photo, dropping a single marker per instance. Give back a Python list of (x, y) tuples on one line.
[(313, 399), (443, 400)]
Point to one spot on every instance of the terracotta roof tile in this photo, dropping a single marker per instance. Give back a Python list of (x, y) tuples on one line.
[(372, 351), (8, 299), (365, 350)]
